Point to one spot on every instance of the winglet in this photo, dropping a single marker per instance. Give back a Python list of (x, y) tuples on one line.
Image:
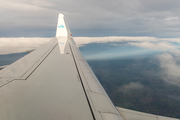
[(62, 33), (62, 27)]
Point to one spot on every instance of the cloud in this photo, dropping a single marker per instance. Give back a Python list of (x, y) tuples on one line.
[(160, 46), (21, 44), (37, 18), (171, 68), (169, 58), (133, 86), (172, 18), (17, 45), (88, 40), (175, 97)]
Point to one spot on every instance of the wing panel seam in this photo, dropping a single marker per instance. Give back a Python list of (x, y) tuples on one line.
[(82, 84), (40, 62)]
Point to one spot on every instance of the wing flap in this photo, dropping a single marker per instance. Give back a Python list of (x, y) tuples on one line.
[(101, 103), (99, 100), (110, 116), (127, 114), (93, 82)]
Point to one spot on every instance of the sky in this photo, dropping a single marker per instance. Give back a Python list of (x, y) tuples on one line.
[(91, 18), (147, 24)]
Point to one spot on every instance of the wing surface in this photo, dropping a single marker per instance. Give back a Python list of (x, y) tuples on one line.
[(54, 82), (135, 115)]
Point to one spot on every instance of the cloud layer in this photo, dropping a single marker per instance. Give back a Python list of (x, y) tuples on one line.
[(87, 40), (37, 18), (14, 45), (18, 45), (169, 58)]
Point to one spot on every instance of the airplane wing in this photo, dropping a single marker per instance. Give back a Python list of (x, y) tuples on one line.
[(127, 114), (54, 82)]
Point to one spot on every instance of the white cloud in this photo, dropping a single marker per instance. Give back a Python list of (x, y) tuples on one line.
[(17, 45), (22, 44), (169, 60), (170, 67), (133, 86), (88, 40), (172, 18), (160, 46)]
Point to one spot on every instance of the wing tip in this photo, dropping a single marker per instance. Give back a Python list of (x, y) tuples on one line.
[(61, 26), (60, 14)]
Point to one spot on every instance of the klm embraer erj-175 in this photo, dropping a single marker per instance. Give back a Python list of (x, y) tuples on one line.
[(54, 82)]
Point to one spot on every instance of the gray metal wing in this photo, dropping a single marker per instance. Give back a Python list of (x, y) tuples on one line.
[(136, 115), (54, 82)]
